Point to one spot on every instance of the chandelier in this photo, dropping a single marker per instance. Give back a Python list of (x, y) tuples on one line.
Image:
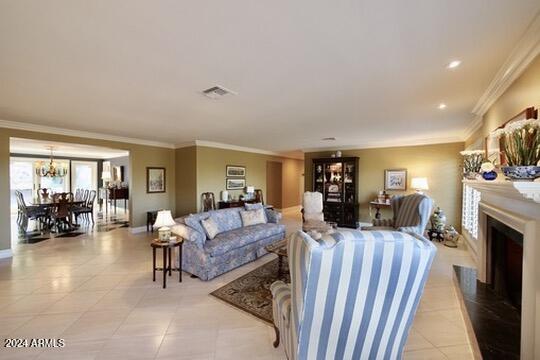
[(51, 169)]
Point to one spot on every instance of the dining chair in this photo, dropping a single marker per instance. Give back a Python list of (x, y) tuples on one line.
[(25, 212), (208, 201), (61, 213), (43, 193), (87, 209), (259, 196), (78, 194)]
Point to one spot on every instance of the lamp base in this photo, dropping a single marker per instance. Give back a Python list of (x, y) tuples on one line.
[(164, 234)]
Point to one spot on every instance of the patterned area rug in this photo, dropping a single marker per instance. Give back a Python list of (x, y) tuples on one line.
[(251, 292)]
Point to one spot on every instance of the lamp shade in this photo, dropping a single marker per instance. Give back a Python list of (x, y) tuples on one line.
[(419, 183), (164, 219), (106, 175)]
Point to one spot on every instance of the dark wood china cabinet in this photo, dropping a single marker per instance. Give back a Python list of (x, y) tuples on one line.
[(336, 179)]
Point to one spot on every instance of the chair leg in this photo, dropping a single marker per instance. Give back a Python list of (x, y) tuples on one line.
[(276, 342)]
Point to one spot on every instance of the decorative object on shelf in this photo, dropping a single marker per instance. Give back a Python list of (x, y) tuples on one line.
[(333, 155), (419, 184), (472, 162), (52, 169), (224, 195), (163, 222), (235, 184), (395, 179), (236, 171), (521, 144), (338, 153), (488, 171), (451, 236), (155, 180)]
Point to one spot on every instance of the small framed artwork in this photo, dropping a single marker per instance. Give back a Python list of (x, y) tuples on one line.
[(395, 179), (236, 184), (155, 180), (236, 171)]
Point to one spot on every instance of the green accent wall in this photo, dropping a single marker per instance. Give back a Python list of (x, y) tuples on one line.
[(439, 163)]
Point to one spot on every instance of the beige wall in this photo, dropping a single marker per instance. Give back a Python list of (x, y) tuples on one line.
[(523, 93), (186, 180), (211, 164), (439, 163), (140, 157)]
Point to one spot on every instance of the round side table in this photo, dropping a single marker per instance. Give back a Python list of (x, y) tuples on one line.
[(167, 248)]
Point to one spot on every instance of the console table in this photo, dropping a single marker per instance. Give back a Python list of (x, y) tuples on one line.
[(119, 194)]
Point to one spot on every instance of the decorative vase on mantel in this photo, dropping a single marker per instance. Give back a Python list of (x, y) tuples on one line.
[(521, 149), (472, 162)]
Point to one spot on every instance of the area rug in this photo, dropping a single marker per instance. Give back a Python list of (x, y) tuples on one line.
[(251, 292)]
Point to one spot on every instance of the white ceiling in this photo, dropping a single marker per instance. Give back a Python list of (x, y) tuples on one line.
[(365, 72), (39, 147)]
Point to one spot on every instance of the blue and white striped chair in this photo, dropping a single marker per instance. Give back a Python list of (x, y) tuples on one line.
[(411, 214), (353, 294)]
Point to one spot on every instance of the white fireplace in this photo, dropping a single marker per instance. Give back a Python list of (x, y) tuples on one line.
[(517, 205)]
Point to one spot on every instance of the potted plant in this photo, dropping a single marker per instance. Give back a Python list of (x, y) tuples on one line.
[(472, 161), (521, 144)]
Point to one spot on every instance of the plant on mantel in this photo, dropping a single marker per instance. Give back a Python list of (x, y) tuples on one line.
[(521, 144), (472, 162)]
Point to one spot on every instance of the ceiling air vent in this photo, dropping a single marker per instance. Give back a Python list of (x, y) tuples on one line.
[(329, 139), (216, 92)]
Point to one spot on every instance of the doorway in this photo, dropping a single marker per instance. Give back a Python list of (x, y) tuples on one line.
[(84, 175), (274, 177)]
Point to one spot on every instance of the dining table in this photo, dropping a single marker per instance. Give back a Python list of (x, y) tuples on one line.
[(46, 203)]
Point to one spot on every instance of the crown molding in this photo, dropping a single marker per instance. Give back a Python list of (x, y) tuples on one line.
[(218, 145), (390, 144), (527, 48), (78, 133), (475, 124)]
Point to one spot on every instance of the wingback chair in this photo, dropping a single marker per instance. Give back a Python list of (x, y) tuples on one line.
[(411, 214), (353, 294), (312, 212)]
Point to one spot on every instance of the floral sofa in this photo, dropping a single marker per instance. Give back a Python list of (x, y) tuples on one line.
[(234, 246)]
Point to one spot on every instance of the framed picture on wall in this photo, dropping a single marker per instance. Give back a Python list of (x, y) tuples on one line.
[(236, 184), (155, 180), (236, 171), (395, 179)]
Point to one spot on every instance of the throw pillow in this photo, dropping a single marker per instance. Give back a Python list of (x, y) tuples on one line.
[(255, 206), (253, 217), (210, 227)]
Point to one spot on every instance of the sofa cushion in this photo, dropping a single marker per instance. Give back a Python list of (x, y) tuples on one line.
[(227, 219), (253, 217), (255, 206), (230, 240), (194, 221), (210, 227)]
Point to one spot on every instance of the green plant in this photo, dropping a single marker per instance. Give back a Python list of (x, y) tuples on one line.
[(521, 142), (472, 160)]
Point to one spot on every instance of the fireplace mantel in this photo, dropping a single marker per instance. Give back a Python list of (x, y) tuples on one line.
[(512, 189)]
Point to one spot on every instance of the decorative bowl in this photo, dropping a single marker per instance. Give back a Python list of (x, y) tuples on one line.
[(521, 173)]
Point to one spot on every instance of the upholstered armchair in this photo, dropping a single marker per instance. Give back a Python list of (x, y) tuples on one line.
[(411, 214), (312, 213), (353, 294)]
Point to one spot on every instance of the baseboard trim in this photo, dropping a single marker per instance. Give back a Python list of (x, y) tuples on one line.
[(6, 254), (137, 230)]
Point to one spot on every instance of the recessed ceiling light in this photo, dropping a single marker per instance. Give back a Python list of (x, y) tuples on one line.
[(453, 64), (442, 106)]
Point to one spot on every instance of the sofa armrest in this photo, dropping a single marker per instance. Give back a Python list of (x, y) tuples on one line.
[(189, 234), (281, 294), (409, 229), (273, 216), (383, 222)]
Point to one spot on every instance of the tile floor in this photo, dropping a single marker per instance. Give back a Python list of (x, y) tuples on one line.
[(95, 291)]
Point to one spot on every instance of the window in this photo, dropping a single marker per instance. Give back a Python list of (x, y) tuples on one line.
[(469, 218)]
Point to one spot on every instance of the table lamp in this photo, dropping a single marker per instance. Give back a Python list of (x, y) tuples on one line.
[(419, 184), (163, 221)]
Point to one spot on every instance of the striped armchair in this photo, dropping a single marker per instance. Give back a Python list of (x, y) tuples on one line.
[(353, 294), (411, 214)]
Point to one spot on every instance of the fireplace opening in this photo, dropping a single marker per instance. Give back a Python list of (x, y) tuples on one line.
[(505, 261)]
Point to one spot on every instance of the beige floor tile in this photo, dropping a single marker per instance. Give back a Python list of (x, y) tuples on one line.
[(140, 347), (457, 352), (99, 295)]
